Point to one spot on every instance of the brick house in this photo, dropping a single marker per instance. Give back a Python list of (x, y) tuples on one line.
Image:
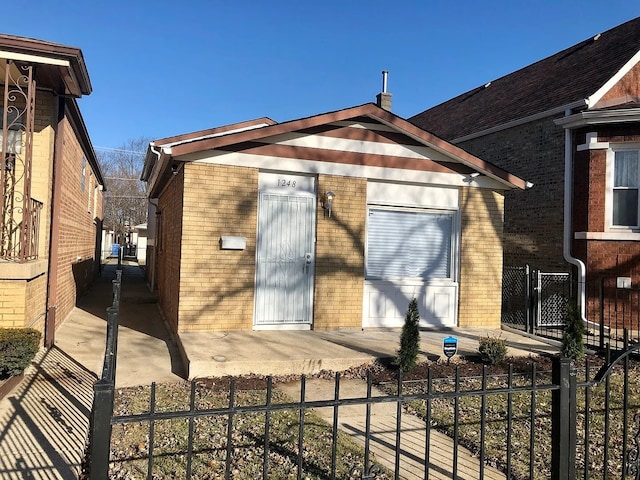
[(570, 124), (331, 221), (50, 183)]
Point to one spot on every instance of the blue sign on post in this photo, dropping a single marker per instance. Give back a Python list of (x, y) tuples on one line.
[(449, 347)]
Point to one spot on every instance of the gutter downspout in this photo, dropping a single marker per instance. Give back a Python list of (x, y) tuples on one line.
[(152, 280), (54, 229), (568, 205)]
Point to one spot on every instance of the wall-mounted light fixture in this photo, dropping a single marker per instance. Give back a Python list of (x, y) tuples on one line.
[(327, 202), (471, 177), (174, 168), (14, 131)]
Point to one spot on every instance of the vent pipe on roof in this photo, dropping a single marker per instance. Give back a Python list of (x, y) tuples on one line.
[(383, 99)]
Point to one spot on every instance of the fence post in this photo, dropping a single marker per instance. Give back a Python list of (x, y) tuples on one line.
[(103, 397), (100, 442), (528, 305), (563, 420), (601, 295)]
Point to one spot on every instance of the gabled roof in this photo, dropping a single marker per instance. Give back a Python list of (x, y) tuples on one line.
[(60, 67), (568, 78), (288, 140)]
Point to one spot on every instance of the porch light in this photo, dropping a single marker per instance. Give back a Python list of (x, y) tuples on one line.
[(14, 133), (327, 203)]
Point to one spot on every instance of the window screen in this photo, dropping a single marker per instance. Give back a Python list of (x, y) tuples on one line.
[(413, 244)]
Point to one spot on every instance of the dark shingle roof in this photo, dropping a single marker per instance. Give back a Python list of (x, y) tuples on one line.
[(561, 79)]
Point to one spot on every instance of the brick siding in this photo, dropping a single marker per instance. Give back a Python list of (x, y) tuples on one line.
[(533, 228), (168, 249), (25, 300), (628, 88), (339, 281), (216, 286), (77, 266), (482, 214)]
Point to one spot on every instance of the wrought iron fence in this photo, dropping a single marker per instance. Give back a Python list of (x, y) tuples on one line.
[(19, 213), (570, 420), (534, 301), (613, 307)]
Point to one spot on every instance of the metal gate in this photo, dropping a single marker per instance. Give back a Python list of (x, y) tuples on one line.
[(534, 301), (553, 294)]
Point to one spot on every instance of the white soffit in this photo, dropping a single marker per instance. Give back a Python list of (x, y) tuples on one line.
[(22, 57)]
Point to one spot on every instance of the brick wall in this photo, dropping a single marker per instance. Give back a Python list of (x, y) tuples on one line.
[(168, 249), (35, 300), (77, 234), (533, 225), (12, 303), (216, 287), (628, 86), (339, 278), (480, 258)]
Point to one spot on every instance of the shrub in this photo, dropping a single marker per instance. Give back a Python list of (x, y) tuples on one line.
[(573, 334), (493, 349), (409, 339), (18, 346)]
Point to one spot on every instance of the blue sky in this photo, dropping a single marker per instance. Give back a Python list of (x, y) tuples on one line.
[(161, 68)]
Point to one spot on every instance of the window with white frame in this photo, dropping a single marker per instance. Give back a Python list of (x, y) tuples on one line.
[(625, 188), (403, 243)]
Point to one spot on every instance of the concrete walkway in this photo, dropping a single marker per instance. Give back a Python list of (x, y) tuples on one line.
[(382, 436), (44, 421)]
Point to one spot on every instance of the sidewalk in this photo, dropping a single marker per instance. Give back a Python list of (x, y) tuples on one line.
[(44, 421)]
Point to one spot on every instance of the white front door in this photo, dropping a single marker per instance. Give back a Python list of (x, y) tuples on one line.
[(285, 252)]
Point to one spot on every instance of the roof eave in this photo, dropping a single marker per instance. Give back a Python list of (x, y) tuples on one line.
[(371, 110), (599, 117), (68, 60), (507, 179)]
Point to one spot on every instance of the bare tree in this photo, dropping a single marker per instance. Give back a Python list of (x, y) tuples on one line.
[(125, 201)]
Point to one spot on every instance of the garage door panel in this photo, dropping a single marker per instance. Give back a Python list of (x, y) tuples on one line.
[(386, 304)]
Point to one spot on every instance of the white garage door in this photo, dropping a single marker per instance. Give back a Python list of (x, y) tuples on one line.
[(410, 253)]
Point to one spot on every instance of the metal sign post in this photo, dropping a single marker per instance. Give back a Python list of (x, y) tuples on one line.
[(449, 347)]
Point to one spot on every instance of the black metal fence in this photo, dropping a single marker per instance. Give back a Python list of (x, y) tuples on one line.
[(551, 419), (536, 302), (613, 307), (104, 389)]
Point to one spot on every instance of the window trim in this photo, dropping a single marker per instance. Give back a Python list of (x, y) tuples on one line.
[(454, 241), (609, 188)]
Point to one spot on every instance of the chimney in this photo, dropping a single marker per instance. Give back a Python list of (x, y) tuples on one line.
[(383, 99)]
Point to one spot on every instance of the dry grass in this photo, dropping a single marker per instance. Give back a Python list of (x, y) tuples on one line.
[(130, 442)]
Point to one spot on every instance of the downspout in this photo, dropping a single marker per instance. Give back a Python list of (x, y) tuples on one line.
[(54, 229), (568, 205), (152, 280)]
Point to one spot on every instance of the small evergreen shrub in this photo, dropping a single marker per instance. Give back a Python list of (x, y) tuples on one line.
[(409, 339), (573, 334), (18, 346), (493, 349)]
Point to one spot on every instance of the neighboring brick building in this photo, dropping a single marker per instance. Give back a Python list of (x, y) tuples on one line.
[(332, 221), (573, 117), (50, 183)]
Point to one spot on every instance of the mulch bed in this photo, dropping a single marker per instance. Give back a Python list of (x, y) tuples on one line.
[(384, 371)]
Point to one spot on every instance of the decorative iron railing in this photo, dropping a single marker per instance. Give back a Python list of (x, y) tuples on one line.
[(19, 213)]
